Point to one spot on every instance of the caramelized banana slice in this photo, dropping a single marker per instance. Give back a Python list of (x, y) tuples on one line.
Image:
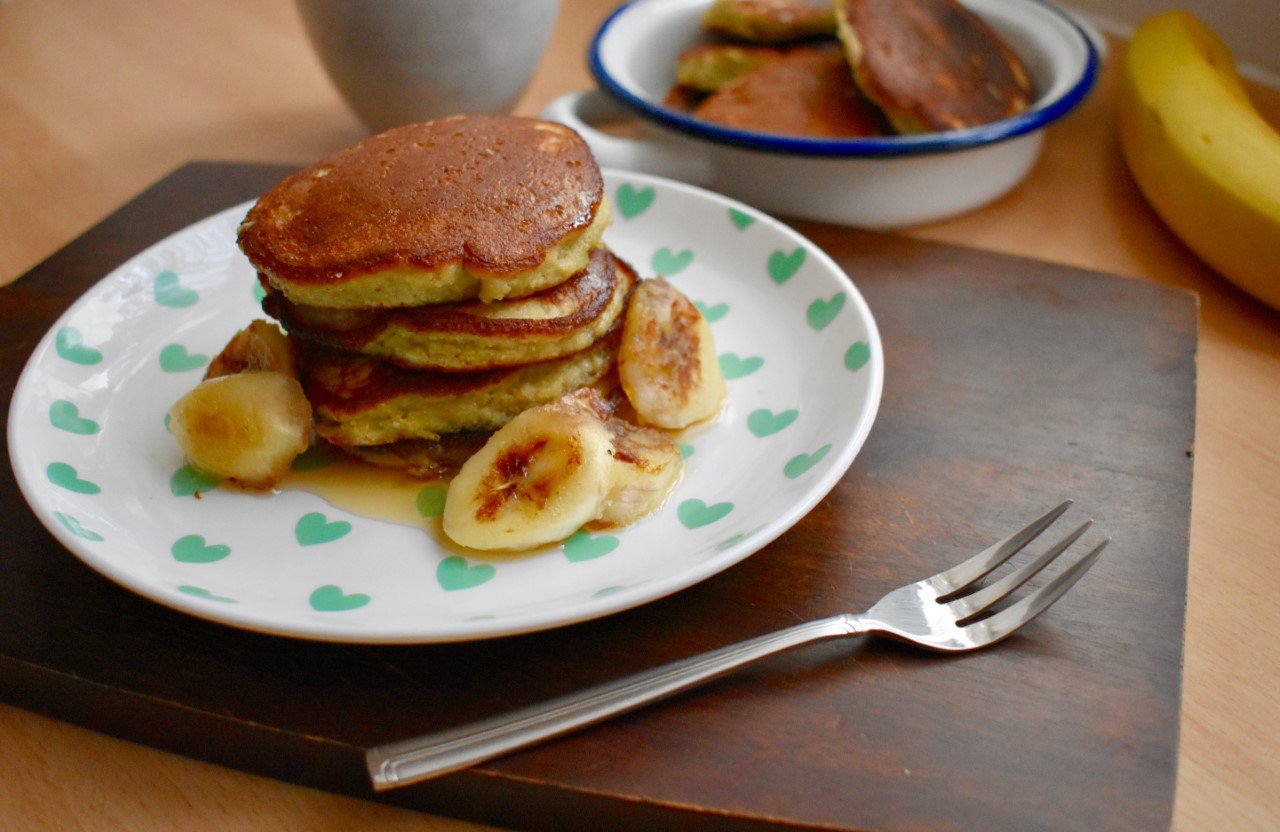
[(646, 462), (259, 346), (536, 481), (667, 361), (246, 427), (646, 466)]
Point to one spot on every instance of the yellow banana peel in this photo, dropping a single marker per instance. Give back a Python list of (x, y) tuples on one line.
[(1203, 156)]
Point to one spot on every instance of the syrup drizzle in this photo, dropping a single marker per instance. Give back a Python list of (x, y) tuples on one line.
[(370, 491)]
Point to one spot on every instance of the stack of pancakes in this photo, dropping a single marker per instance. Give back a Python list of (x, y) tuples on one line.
[(438, 279)]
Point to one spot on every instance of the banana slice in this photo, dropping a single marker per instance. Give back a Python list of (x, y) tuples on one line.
[(646, 466), (246, 427), (667, 360), (536, 481), (259, 346), (646, 462)]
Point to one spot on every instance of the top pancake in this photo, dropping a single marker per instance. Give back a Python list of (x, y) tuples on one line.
[(931, 64), (487, 206)]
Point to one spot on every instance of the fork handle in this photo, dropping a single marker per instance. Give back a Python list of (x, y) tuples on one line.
[(431, 755)]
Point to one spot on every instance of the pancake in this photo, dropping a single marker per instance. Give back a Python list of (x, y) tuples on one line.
[(931, 64), (808, 92), (427, 458), (441, 458), (473, 335), (464, 207), (769, 21), (359, 400), (709, 66)]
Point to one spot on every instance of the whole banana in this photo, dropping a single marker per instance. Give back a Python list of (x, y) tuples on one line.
[(1203, 156)]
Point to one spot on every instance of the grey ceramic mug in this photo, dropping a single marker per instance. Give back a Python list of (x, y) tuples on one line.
[(401, 61)]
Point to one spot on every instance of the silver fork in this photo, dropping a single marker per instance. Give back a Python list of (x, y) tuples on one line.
[(934, 613)]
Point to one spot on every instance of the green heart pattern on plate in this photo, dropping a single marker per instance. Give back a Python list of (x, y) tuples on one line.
[(801, 463), (582, 545), (633, 201), (764, 422), (72, 525), (785, 441), (64, 415), (65, 476), (857, 356), (174, 358), (430, 500), (201, 592), (823, 311), (313, 528), (731, 366), (455, 573), (331, 598), (70, 345), (193, 548), (694, 513), (783, 265), (169, 291), (669, 263), (187, 482), (712, 313)]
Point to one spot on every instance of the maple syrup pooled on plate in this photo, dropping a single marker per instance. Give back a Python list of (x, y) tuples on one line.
[(368, 490), (379, 493)]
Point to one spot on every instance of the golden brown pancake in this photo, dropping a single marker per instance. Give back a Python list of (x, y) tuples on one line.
[(806, 93), (473, 335), (441, 458), (931, 64), (769, 21), (709, 66), (359, 400), (487, 206), (428, 458)]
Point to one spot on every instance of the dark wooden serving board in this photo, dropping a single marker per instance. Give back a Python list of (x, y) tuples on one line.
[(1010, 384)]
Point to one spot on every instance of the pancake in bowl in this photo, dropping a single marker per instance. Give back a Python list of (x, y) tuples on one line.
[(931, 64), (363, 401), (807, 92), (769, 21), (464, 207), (473, 335), (706, 67)]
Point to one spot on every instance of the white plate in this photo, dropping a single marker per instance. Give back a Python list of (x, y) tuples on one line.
[(93, 458)]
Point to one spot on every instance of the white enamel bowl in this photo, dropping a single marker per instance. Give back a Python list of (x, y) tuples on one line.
[(874, 182)]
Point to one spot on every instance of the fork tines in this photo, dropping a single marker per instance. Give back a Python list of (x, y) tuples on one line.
[(959, 587)]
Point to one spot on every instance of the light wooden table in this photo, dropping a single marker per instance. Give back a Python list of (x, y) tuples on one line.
[(99, 99)]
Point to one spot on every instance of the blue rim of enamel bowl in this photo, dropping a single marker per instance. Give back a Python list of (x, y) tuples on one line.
[(902, 145)]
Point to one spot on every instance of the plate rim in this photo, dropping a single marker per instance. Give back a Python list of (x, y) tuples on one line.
[(31, 487)]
